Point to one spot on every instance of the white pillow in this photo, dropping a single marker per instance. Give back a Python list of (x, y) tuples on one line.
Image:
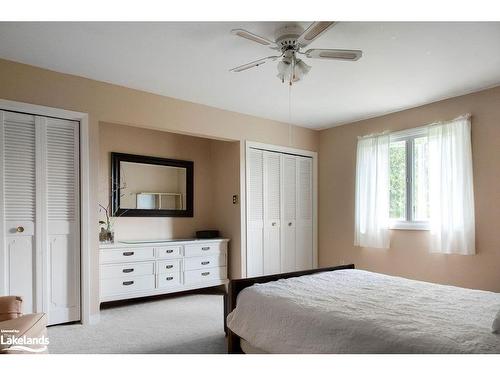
[(495, 328)]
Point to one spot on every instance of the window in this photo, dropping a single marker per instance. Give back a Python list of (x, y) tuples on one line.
[(409, 180)]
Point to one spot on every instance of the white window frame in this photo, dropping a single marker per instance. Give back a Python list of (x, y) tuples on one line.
[(409, 135)]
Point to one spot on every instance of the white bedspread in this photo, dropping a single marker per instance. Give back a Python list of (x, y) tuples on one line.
[(354, 311)]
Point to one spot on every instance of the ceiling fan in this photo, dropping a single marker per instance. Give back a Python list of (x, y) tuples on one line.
[(289, 41)]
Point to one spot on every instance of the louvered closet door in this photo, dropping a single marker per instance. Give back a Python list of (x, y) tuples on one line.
[(39, 209), (289, 208), (304, 222), (255, 213), (272, 212), (17, 206), (63, 236)]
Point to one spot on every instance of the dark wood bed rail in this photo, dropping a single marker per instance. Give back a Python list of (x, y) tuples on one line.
[(237, 285)]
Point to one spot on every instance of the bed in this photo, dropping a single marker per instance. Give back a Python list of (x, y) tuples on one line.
[(344, 310)]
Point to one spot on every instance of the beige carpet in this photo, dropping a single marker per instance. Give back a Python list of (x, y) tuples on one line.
[(183, 324)]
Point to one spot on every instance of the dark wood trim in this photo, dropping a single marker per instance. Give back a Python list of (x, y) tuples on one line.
[(236, 286), (117, 157)]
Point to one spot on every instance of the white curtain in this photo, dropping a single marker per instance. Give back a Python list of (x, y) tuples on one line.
[(451, 193), (371, 227)]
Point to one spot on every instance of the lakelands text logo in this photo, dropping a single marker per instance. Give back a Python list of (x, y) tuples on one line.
[(9, 338)]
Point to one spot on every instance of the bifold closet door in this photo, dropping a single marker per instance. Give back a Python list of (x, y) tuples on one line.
[(62, 253), (255, 213), (39, 206), (304, 222), (17, 207), (289, 208), (272, 212)]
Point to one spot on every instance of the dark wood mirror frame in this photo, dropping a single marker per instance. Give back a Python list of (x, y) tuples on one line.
[(116, 158)]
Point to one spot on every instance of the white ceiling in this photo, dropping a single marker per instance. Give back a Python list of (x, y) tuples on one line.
[(404, 64)]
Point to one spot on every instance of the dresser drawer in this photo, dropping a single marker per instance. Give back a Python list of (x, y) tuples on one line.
[(168, 266), (109, 271), (124, 285), (201, 276), (126, 255), (168, 252), (169, 280), (203, 249), (209, 261)]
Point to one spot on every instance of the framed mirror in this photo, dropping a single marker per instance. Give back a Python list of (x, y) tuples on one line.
[(151, 186)]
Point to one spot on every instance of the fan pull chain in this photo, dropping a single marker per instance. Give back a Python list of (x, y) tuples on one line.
[(290, 127)]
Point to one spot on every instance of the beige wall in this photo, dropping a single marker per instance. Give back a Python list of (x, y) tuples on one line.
[(133, 140), (119, 105), (226, 164), (408, 255)]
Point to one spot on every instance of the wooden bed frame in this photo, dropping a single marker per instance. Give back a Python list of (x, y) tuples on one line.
[(236, 286)]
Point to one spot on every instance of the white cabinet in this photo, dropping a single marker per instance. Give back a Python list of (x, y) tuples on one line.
[(136, 270), (280, 222), (39, 209)]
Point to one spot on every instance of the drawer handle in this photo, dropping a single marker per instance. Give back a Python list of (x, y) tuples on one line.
[(205, 263), (168, 266), (205, 273), (169, 251), (128, 253), (127, 270), (127, 282), (206, 248), (169, 278)]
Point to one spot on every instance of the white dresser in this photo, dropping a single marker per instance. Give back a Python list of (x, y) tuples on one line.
[(129, 270)]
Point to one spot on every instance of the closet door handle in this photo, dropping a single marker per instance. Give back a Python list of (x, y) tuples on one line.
[(205, 263), (127, 282), (205, 248), (169, 278), (127, 270), (168, 266), (205, 273), (273, 224), (169, 251), (128, 253), (290, 224), (20, 229)]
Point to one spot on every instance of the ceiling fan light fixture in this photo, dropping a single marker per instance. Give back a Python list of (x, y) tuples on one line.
[(285, 73), (302, 68)]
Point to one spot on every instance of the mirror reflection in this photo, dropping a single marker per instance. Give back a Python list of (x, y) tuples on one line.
[(152, 187)]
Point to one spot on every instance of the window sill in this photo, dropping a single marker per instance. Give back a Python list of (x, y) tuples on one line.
[(408, 225)]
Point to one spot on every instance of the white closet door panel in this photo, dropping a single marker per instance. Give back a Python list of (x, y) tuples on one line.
[(63, 251), (255, 251), (304, 223), (304, 251), (289, 207), (255, 213), (18, 178), (19, 167), (64, 288), (272, 212), (20, 255)]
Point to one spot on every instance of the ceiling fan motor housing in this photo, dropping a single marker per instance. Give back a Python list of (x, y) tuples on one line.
[(286, 38)]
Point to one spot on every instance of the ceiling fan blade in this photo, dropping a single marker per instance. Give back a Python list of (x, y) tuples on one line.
[(335, 54), (253, 37), (253, 64), (314, 30)]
